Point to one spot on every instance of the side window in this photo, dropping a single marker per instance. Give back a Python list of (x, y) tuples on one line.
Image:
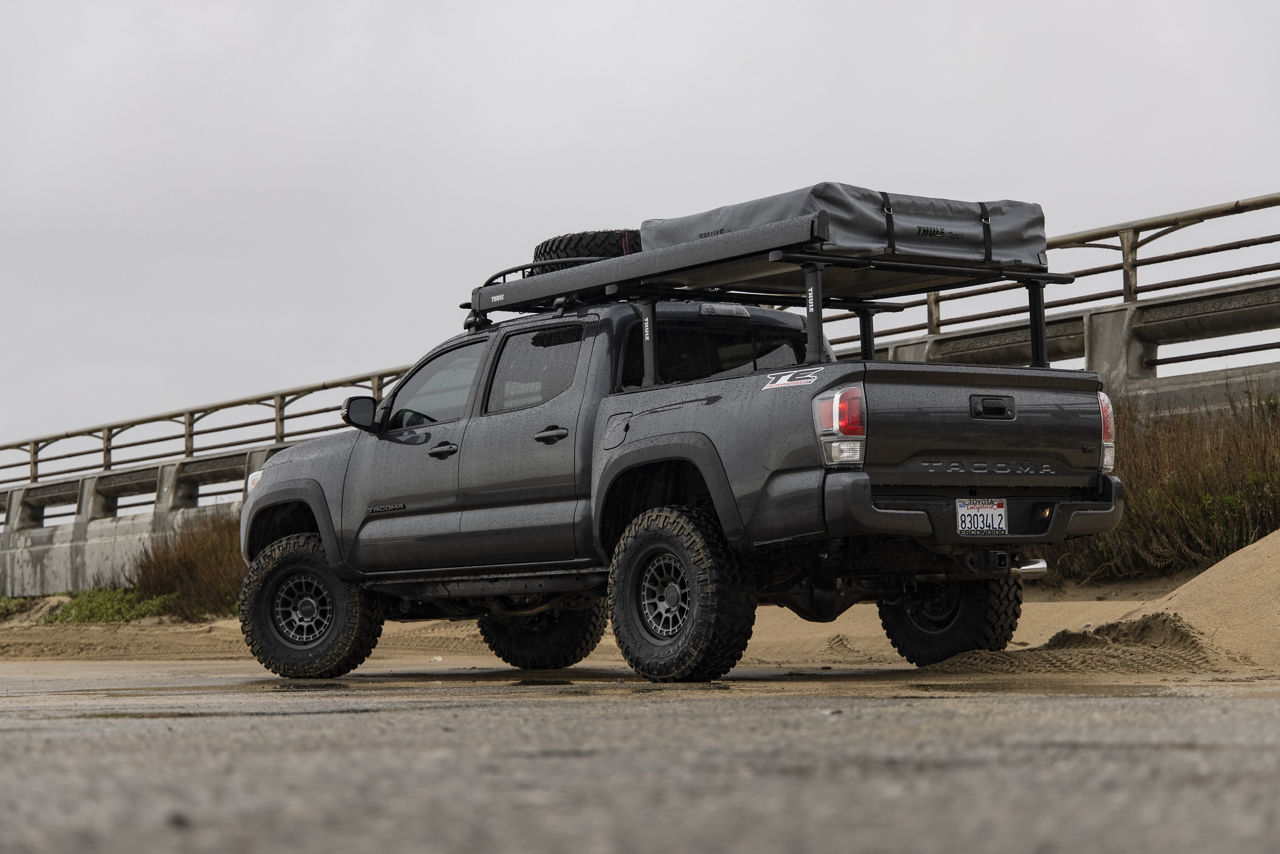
[(696, 351), (777, 349), (534, 367), (438, 391)]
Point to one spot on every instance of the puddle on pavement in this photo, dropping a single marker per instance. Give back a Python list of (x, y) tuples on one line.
[(288, 686)]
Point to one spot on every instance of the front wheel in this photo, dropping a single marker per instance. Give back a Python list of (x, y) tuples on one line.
[(682, 607), (299, 619), (547, 641), (942, 620)]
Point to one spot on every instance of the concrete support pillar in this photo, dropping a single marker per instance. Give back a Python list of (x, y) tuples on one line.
[(12, 509), (1112, 350), (915, 352), (23, 515), (172, 492), (92, 504), (255, 459)]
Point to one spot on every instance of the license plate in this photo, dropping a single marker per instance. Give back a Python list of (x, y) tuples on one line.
[(981, 516)]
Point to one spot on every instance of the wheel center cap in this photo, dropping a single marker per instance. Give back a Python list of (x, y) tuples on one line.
[(671, 596), (307, 610)]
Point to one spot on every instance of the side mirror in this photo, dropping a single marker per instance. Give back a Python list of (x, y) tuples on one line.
[(359, 412)]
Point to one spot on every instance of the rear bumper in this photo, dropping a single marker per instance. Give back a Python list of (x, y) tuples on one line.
[(850, 510)]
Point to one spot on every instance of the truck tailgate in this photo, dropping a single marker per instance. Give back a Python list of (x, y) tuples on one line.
[(968, 426)]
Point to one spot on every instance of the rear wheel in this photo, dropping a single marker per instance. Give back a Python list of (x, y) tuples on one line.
[(299, 619), (547, 641), (942, 620), (682, 607)]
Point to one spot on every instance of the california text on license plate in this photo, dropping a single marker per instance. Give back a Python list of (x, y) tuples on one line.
[(981, 516)]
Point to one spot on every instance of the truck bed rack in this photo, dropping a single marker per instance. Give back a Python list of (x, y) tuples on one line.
[(787, 263)]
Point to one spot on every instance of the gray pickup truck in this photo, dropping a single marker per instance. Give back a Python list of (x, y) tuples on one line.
[(645, 444)]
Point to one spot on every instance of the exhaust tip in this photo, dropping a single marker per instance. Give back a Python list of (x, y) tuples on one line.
[(1032, 570)]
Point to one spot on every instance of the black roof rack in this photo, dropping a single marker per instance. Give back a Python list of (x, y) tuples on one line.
[(788, 262)]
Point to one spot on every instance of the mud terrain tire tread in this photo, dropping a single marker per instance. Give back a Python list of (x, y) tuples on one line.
[(547, 641), (722, 597), (585, 244), (986, 620), (358, 614)]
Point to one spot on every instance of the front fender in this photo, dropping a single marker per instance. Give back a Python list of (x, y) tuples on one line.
[(294, 491)]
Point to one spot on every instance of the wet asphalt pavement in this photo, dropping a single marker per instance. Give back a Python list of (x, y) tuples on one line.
[(216, 756)]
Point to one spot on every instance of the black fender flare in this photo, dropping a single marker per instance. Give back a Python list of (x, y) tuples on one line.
[(693, 448), (297, 491)]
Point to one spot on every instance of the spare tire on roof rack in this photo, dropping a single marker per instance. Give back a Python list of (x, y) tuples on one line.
[(584, 244)]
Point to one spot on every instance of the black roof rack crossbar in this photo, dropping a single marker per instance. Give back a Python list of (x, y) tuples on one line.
[(976, 275), (747, 297)]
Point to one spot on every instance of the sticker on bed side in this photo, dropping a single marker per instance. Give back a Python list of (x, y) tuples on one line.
[(803, 376)]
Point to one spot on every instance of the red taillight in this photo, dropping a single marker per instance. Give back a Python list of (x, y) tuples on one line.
[(1108, 418), (850, 408), (1108, 462), (841, 419)]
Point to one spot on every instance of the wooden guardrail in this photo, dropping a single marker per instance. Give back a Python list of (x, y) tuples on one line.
[(210, 428)]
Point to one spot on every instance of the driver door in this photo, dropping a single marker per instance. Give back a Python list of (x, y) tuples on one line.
[(402, 483)]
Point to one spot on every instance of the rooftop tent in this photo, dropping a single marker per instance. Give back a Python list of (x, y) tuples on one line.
[(870, 222), (861, 223), (829, 245)]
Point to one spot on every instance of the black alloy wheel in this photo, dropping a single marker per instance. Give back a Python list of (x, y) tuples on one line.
[(682, 606), (302, 621)]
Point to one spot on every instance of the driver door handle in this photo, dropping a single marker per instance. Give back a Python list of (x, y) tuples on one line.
[(444, 449), (551, 435)]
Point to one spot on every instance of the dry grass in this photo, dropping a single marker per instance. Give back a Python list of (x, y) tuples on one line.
[(1197, 488), (199, 567)]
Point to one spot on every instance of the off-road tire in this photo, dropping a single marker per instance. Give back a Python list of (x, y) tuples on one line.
[(299, 619), (682, 606), (584, 244), (547, 641), (950, 618)]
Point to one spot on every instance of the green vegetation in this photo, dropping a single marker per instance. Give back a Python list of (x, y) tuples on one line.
[(1197, 488), (192, 574), (11, 606), (197, 571), (109, 606)]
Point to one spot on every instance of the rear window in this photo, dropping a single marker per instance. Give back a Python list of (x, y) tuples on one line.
[(699, 351)]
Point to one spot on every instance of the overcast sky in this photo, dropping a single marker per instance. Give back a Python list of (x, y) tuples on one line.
[(204, 200)]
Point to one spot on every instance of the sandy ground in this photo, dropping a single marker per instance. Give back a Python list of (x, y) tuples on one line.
[(1220, 621)]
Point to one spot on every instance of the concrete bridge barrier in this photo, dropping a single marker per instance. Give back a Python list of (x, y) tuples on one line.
[(91, 545)]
